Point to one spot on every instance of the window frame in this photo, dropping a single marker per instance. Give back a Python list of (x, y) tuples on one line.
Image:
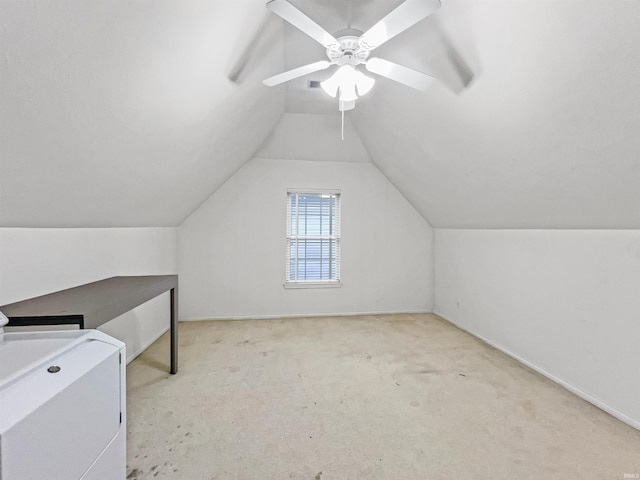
[(337, 237)]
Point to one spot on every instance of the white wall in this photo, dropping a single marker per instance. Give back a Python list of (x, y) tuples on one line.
[(303, 136), (36, 261), (565, 302), (231, 251)]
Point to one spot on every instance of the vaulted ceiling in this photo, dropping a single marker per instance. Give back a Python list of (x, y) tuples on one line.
[(121, 113), (132, 113)]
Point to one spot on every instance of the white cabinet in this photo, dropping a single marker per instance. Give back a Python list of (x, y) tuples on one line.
[(62, 406)]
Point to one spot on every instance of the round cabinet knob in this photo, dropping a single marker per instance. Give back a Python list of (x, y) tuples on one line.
[(53, 369)]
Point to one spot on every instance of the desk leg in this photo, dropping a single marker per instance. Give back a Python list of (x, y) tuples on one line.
[(174, 330)]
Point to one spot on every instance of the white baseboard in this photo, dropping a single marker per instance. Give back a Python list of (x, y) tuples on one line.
[(573, 389), (300, 315), (132, 355)]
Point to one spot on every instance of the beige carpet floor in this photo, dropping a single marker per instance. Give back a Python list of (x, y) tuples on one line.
[(370, 397)]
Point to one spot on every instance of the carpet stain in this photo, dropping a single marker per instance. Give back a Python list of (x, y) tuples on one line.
[(401, 321), (318, 476), (518, 432), (133, 474), (529, 408), (415, 404), (427, 371)]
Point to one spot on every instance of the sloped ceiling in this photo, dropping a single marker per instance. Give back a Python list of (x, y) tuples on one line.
[(305, 136), (545, 136), (121, 113)]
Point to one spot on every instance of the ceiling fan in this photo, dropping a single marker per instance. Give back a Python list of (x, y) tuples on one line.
[(351, 47)]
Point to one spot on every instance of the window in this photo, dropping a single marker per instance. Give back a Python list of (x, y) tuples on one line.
[(313, 238)]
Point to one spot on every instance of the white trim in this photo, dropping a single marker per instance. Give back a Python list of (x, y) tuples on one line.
[(573, 389), (315, 191), (301, 315), (131, 355), (313, 284)]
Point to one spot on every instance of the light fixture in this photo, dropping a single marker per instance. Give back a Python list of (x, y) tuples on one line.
[(351, 47), (349, 82)]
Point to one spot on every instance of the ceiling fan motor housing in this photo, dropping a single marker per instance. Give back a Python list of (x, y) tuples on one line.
[(350, 51)]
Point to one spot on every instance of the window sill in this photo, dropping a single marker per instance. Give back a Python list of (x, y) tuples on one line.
[(294, 285)]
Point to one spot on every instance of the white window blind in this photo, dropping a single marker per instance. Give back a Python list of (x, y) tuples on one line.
[(313, 238)]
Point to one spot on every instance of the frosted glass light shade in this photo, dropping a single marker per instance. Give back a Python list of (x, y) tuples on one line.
[(347, 80), (363, 83), (331, 84)]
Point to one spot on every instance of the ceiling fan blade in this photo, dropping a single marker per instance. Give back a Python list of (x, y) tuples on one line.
[(404, 16), (406, 76), (463, 74), (296, 72), (299, 20)]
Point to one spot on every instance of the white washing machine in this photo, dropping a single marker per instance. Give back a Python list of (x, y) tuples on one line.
[(62, 406)]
